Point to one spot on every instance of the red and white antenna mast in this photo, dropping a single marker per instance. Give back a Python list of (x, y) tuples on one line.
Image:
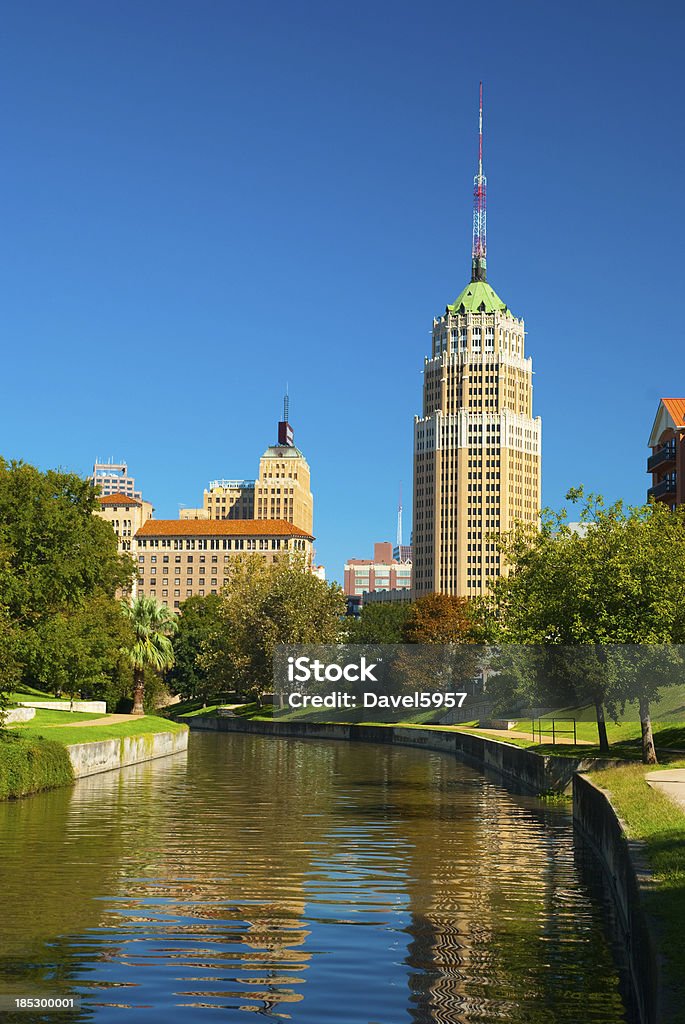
[(399, 526), (479, 250)]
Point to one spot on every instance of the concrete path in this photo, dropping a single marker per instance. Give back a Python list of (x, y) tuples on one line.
[(547, 737), (105, 720), (671, 782)]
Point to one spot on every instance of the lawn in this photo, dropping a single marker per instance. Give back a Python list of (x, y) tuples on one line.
[(48, 717), (652, 817), (28, 693), (92, 733)]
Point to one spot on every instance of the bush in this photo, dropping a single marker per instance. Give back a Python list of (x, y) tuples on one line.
[(29, 765)]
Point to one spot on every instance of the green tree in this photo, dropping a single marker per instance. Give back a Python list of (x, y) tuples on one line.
[(617, 583), (151, 648), (78, 650), (53, 551), (265, 604), (378, 624), (198, 623), (59, 571)]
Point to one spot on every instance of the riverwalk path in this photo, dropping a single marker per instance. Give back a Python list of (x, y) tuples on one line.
[(671, 782)]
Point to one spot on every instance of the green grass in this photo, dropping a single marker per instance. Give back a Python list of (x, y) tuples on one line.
[(28, 693), (659, 822), (93, 733), (47, 717), (29, 764)]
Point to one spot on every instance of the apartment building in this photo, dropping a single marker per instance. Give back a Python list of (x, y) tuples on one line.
[(667, 461)]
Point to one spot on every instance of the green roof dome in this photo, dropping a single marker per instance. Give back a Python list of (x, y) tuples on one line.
[(478, 297)]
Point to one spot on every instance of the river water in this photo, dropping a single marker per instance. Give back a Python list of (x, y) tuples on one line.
[(302, 881)]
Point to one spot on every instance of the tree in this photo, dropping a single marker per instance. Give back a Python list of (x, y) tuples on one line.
[(378, 624), (78, 650), (59, 571), (53, 551), (262, 605), (151, 647), (440, 619), (9, 667), (198, 622), (618, 583)]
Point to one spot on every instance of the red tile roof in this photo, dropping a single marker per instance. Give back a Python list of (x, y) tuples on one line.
[(118, 499), (220, 528), (676, 410)]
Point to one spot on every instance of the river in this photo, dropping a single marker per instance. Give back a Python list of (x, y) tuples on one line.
[(302, 881)]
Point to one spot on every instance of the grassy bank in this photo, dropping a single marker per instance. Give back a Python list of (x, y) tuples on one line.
[(33, 755), (652, 817), (28, 765), (44, 726)]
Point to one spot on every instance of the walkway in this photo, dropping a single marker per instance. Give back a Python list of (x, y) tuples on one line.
[(105, 720), (671, 782)]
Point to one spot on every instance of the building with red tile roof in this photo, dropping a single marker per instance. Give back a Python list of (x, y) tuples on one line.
[(667, 461)]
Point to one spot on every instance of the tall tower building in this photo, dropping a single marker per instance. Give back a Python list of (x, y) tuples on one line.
[(477, 445)]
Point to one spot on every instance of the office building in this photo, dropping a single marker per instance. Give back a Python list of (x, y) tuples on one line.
[(476, 445)]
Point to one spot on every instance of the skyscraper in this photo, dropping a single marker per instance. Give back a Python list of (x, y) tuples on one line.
[(477, 445)]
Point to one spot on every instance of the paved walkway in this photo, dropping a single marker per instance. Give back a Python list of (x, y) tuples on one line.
[(547, 737), (105, 720), (671, 782)]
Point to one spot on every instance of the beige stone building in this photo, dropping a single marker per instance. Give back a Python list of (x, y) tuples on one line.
[(281, 491), (180, 558), (477, 445), (126, 515)]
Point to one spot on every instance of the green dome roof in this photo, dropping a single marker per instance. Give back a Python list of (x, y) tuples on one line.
[(478, 297)]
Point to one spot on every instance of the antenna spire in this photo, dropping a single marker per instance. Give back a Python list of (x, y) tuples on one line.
[(399, 526), (286, 404), (479, 250)]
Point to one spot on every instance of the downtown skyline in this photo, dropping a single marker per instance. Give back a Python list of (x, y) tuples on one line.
[(198, 213)]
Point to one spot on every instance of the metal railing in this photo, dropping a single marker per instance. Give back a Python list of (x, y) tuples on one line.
[(554, 731), (660, 458)]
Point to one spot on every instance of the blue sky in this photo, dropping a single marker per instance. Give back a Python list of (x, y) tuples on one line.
[(202, 201)]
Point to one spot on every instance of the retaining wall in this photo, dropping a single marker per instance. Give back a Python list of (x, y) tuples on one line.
[(628, 876), (105, 755), (19, 715), (534, 772)]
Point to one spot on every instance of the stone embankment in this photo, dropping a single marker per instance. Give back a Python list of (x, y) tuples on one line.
[(106, 755)]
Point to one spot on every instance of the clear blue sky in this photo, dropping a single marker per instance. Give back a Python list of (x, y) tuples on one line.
[(202, 201)]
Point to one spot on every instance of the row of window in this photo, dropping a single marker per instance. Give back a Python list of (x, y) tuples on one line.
[(225, 544)]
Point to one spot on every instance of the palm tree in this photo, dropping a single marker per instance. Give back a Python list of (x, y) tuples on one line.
[(151, 648)]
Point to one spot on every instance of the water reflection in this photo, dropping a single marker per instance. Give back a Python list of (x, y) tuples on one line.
[(312, 882)]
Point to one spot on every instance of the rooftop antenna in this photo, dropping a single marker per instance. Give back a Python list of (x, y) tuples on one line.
[(286, 404), (399, 525), (479, 249)]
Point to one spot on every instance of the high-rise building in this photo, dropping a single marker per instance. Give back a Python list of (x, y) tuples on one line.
[(113, 478), (667, 461), (476, 445), (281, 491)]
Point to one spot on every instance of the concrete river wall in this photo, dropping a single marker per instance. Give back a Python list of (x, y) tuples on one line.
[(106, 755)]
